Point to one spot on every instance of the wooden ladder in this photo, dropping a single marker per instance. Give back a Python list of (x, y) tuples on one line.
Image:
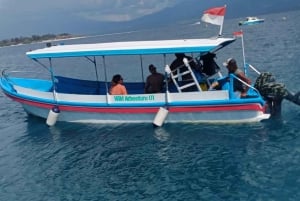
[(174, 77)]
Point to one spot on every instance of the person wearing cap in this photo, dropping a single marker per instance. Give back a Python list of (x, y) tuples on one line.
[(232, 68), (155, 81), (117, 87)]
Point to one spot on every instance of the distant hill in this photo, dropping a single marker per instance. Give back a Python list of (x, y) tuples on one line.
[(193, 9), (186, 11)]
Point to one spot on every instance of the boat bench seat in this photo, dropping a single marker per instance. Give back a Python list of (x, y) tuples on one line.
[(78, 86), (90, 87)]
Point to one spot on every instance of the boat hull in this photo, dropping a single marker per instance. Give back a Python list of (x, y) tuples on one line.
[(218, 113), (38, 98)]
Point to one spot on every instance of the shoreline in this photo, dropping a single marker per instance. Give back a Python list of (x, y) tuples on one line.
[(30, 40)]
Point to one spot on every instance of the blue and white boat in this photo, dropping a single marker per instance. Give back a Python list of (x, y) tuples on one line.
[(251, 21), (69, 99)]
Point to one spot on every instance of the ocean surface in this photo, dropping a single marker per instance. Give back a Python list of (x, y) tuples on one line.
[(257, 161)]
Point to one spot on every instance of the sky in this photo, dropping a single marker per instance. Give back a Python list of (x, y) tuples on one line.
[(39, 17), (21, 13), (100, 10)]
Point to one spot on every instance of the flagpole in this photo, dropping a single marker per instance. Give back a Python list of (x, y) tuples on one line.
[(243, 48), (221, 26), (221, 29)]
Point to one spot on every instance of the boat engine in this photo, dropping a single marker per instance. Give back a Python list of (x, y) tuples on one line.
[(274, 93)]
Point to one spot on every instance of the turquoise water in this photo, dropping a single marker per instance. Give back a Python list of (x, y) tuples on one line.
[(176, 162)]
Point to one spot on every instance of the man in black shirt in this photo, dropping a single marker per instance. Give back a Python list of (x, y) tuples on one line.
[(155, 81)]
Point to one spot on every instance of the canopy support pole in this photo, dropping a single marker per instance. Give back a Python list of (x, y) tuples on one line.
[(96, 71), (105, 75), (53, 82), (142, 69)]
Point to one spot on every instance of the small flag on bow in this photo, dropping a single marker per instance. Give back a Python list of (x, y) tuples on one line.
[(238, 33)]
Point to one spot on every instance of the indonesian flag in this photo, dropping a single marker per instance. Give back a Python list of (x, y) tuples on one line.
[(238, 33), (214, 15)]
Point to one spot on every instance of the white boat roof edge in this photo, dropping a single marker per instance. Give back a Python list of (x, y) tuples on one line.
[(131, 48)]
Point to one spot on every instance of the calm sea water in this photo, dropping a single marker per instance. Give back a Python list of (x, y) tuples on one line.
[(176, 162)]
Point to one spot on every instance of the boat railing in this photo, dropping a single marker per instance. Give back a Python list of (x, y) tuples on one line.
[(247, 66), (7, 74), (232, 76), (12, 77)]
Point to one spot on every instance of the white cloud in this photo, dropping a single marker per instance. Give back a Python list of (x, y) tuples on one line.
[(99, 10), (43, 16), (122, 10)]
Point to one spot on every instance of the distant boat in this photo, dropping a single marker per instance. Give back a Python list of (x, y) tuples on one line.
[(251, 21)]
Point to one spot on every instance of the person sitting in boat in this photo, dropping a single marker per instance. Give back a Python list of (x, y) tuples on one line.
[(117, 87), (232, 68), (155, 81)]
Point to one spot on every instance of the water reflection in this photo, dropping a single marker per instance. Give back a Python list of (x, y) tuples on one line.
[(164, 145), (161, 134)]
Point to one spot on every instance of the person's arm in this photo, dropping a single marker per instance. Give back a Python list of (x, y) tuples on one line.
[(213, 85)]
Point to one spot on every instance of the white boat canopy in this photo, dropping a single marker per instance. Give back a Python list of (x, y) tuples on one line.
[(131, 48)]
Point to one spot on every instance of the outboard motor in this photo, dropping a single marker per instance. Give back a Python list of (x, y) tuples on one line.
[(274, 92)]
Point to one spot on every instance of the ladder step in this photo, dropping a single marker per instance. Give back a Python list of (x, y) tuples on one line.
[(180, 74), (185, 72), (187, 85), (194, 81)]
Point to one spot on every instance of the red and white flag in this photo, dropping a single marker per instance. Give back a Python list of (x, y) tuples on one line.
[(214, 15), (238, 33)]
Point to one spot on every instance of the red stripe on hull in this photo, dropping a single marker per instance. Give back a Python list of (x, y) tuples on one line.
[(218, 108), (175, 109)]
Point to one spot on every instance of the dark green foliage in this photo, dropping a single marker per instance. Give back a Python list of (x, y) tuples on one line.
[(33, 38)]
